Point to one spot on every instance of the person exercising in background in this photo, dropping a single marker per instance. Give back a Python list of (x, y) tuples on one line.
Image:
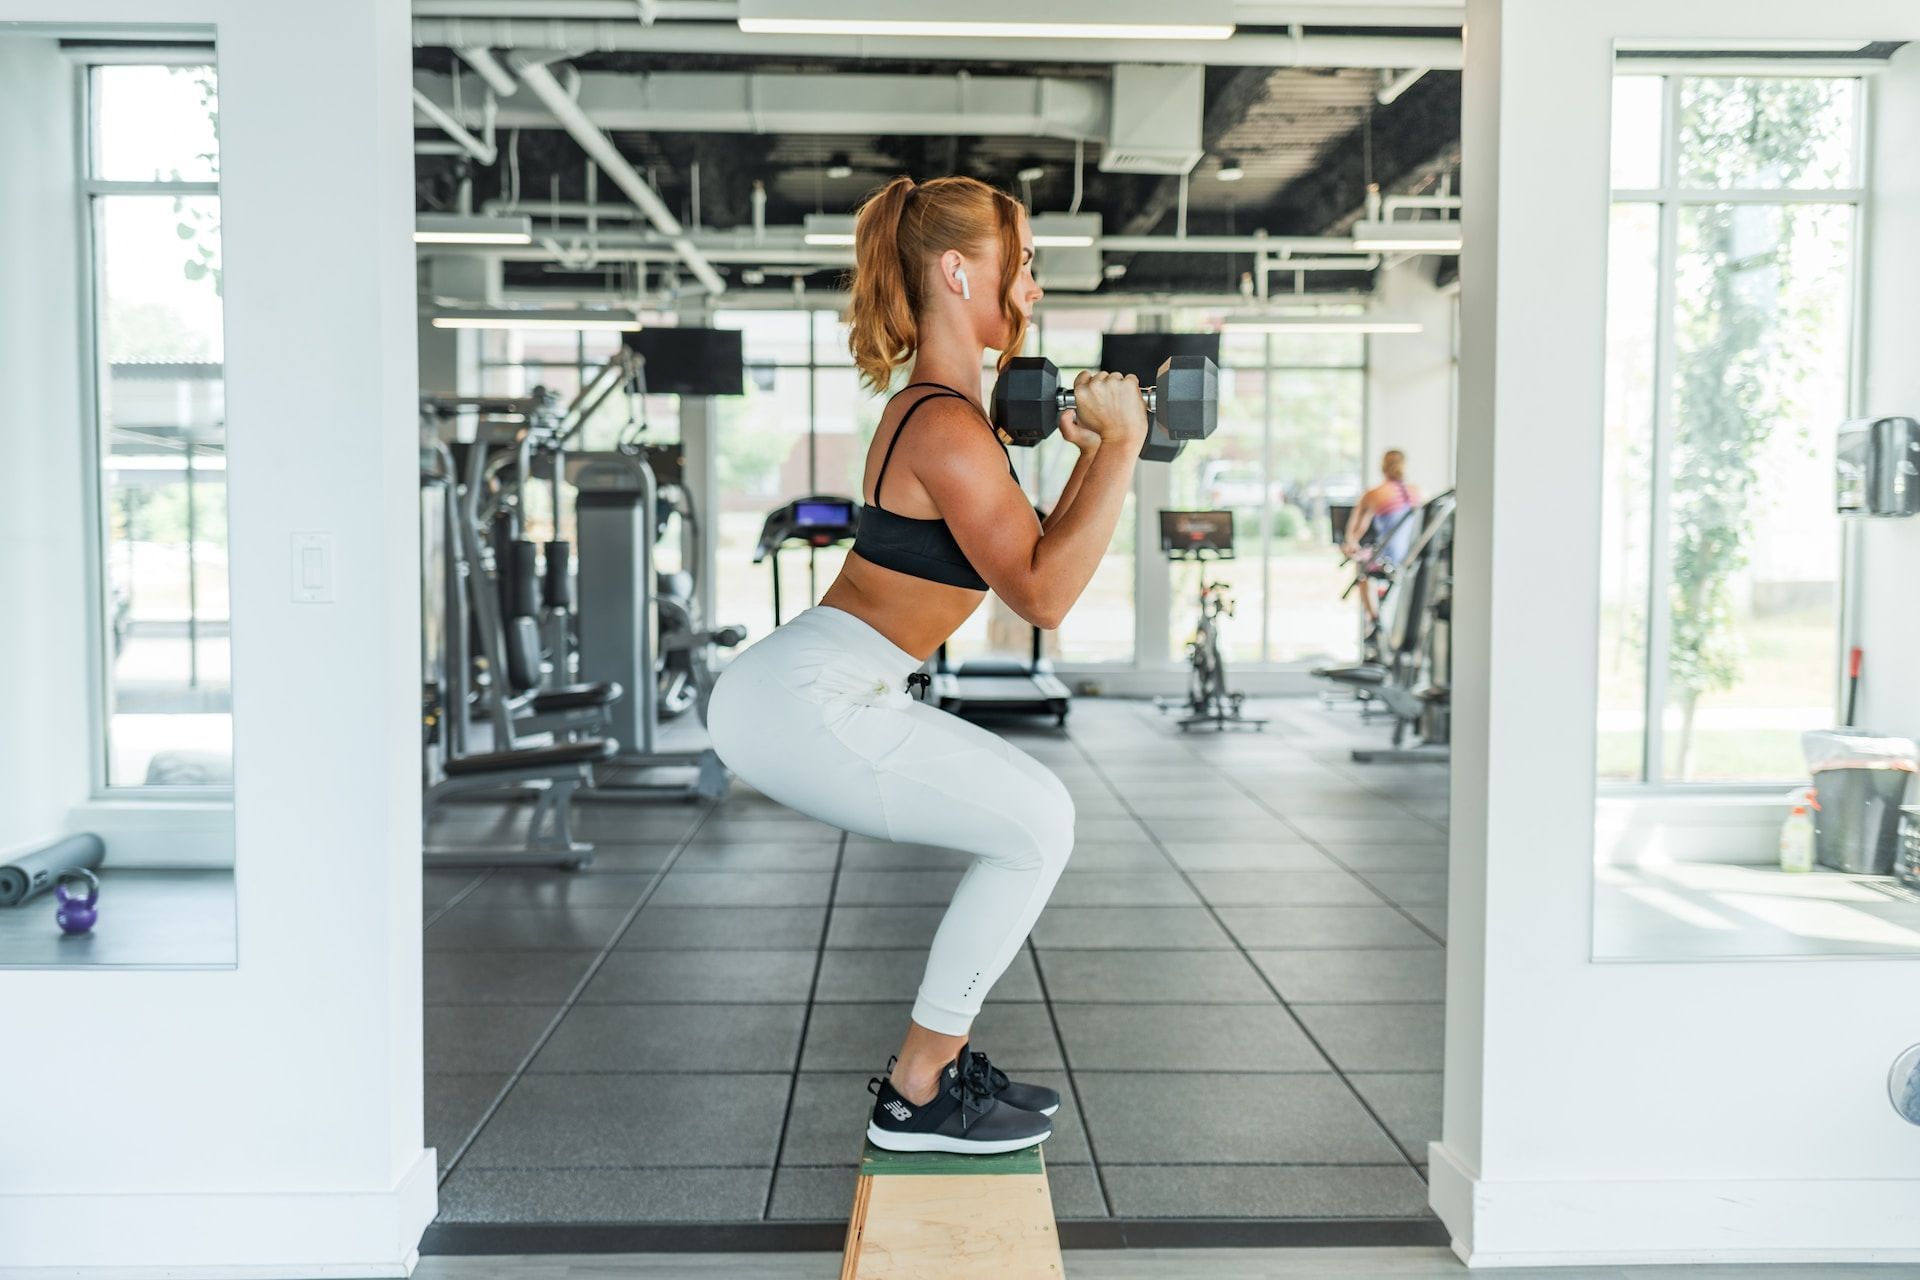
[(817, 715), (1386, 512)]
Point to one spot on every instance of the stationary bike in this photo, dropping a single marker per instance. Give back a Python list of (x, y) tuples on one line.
[(1202, 536)]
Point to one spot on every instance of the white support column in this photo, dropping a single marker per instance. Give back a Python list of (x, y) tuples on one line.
[(267, 1120)]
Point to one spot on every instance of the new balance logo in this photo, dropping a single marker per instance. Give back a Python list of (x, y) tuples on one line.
[(899, 1111)]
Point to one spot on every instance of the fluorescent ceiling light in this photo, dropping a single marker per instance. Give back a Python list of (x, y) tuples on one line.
[(1423, 236), (1738, 44), (1062, 242), (828, 229), (470, 228), (1063, 20), (575, 318), (1325, 324)]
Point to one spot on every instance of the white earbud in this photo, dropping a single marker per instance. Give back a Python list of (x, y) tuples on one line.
[(960, 274)]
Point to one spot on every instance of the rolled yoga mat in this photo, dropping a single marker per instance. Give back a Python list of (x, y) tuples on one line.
[(33, 872)]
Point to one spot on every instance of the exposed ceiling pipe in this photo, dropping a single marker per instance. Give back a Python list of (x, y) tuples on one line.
[(1441, 53), (789, 240), (759, 211), (1391, 90), (489, 69), (785, 102), (600, 148), (782, 300), (1399, 13), (479, 150)]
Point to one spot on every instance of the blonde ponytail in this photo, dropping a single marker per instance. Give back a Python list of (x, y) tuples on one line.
[(895, 232)]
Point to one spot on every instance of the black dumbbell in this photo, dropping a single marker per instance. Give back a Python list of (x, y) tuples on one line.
[(1183, 403)]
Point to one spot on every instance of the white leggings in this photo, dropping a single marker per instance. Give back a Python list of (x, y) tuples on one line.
[(816, 716)]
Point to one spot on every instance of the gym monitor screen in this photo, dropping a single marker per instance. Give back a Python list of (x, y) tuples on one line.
[(1142, 354), (690, 362), (1196, 531), (818, 515)]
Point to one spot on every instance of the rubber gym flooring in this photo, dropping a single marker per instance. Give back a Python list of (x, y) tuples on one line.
[(1236, 987)]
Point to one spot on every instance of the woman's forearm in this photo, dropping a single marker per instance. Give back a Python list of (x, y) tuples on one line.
[(1071, 489)]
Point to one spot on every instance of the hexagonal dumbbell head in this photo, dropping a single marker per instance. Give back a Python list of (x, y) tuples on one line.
[(1186, 397), (1159, 446), (1026, 400)]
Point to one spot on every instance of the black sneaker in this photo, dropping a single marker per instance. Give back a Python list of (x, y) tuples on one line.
[(963, 1117), (1028, 1097)]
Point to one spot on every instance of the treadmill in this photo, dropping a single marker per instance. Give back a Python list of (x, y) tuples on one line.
[(984, 688), (815, 521)]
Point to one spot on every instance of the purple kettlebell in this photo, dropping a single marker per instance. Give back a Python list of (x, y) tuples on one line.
[(76, 914)]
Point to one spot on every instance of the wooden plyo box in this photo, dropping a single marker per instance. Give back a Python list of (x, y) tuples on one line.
[(934, 1216)]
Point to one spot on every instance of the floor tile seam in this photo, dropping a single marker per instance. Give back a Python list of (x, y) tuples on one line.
[(1018, 1064), (1079, 1109), (1352, 871), (553, 1024), (472, 888), (852, 1165), (1298, 1023), (806, 1017)]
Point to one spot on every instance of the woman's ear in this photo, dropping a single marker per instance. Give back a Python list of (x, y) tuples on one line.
[(953, 270)]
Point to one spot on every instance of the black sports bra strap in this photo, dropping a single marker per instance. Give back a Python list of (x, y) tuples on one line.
[(946, 393)]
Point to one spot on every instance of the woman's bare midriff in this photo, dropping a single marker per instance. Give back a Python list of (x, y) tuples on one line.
[(913, 613)]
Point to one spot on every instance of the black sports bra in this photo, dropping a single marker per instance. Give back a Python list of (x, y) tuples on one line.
[(919, 548)]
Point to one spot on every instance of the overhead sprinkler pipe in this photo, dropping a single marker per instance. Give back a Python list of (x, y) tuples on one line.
[(601, 149)]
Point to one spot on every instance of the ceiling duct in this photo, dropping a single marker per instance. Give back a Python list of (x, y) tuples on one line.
[(1153, 119), (841, 104)]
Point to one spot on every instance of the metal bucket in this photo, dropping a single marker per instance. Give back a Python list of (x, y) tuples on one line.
[(1857, 827)]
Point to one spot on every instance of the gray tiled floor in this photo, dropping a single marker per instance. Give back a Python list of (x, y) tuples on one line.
[(1235, 986)]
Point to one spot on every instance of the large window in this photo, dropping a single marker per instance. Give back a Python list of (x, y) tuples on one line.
[(1287, 450), (152, 165), (1729, 332)]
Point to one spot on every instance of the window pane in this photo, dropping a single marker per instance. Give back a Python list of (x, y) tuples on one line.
[(1761, 331), (1636, 130), (1627, 488), (761, 449), (163, 490), (769, 337), (155, 124), (1226, 472), (1745, 132), (532, 346), (830, 339), (1341, 350), (1071, 339), (1316, 452)]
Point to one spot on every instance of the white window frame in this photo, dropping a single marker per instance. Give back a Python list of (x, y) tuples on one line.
[(1668, 199), (93, 374)]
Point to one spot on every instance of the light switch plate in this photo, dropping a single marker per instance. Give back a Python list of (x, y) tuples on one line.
[(313, 568)]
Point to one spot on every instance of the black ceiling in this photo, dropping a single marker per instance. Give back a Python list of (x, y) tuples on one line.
[(1308, 138)]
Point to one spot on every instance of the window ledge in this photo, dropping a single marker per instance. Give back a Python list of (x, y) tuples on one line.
[(173, 832)]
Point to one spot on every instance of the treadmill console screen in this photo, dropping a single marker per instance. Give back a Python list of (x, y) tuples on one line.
[(815, 515), (1192, 533)]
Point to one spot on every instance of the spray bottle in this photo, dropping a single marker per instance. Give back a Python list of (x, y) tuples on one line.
[(1796, 835)]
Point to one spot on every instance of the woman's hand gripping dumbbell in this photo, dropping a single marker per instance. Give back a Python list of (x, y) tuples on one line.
[(1183, 403)]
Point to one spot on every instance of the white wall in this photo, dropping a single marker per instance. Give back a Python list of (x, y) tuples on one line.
[(267, 1121), (1886, 608), (44, 709), (1410, 378), (1616, 1112)]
